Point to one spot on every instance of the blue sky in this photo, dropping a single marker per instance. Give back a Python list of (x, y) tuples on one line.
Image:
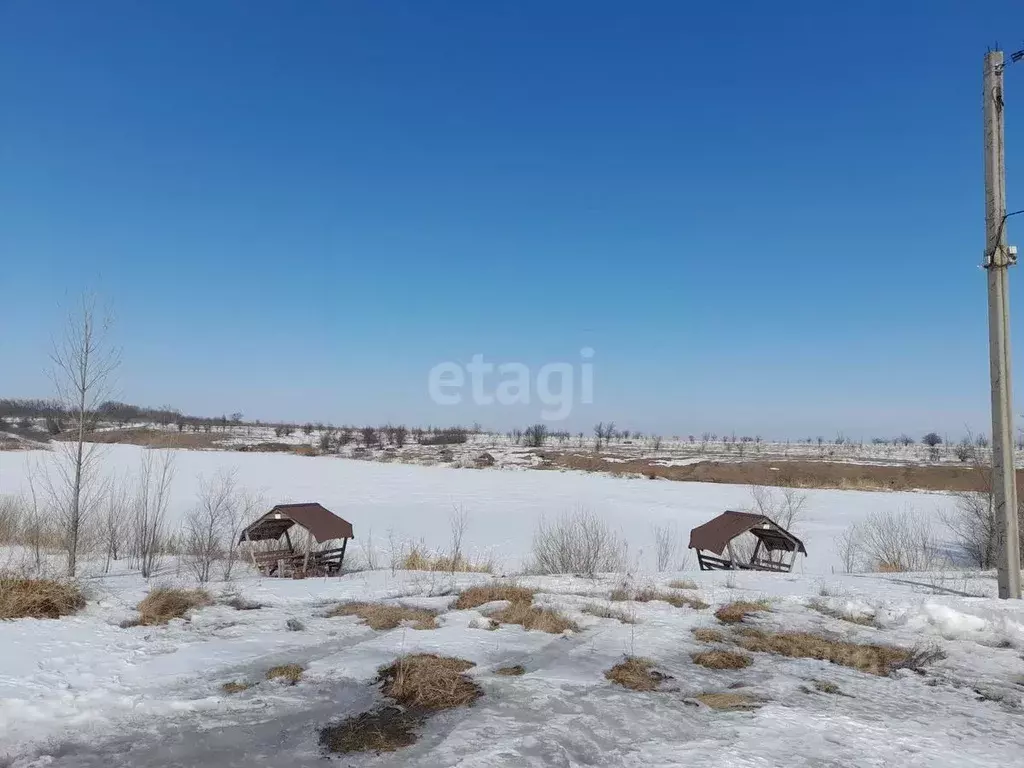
[(763, 217)]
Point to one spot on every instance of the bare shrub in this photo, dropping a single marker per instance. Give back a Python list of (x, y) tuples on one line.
[(209, 523), (383, 616), (666, 544), (637, 674), (149, 508), (22, 598), (165, 603), (426, 681), (784, 506), (535, 435), (722, 659), (578, 543), (894, 541)]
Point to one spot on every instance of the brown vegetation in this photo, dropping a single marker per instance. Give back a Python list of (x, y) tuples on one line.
[(513, 671), (488, 593), (429, 682), (682, 584), (22, 598), (420, 559), (735, 612), (603, 612), (533, 618), (165, 603), (235, 687), (722, 659), (637, 674), (290, 673), (853, 618), (708, 635), (385, 730), (875, 659), (382, 616), (727, 701)]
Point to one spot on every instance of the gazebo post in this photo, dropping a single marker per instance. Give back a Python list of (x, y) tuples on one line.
[(252, 552), (341, 562)]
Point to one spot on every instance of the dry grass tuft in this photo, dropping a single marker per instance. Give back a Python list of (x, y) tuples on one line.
[(385, 730), (707, 635), (647, 594), (619, 594), (826, 687), (165, 603), (682, 584), (735, 612), (382, 616), (477, 596), (636, 673), (853, 618), (722, 659), (419, 558), (429, 682), (875, 659), (513, 671), (22, 598), (531, 617), (235, 687), (242, 604), (727, 701), (603, 612), (290, 673)]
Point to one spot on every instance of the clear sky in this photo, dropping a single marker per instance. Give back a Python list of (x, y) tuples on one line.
[(762, 217)]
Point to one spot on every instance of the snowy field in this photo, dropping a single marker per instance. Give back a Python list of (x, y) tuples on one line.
[(415, 503), (84, 692)]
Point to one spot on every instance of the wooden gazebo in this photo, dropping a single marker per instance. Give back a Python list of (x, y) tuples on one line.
[(322, 525), (776, 548)]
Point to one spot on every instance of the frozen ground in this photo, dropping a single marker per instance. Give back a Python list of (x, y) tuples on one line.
[(83, 692), (415, 502)]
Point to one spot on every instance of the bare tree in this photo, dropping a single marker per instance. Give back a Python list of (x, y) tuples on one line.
[(245, 507), (149, 507), (83, 363), (209, 523), (115, 518), (782, 505), (666, 544), (459, 521)]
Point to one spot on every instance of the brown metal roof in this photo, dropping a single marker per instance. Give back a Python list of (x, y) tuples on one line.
[(323, 524), (716, 534)]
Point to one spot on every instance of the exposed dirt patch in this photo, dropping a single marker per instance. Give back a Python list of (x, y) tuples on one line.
[(637, 674), (382, 616), (787, 473), (152, 438), (488, 593)]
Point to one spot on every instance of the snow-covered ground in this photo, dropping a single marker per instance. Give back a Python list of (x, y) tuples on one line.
[(82, 691), (415, 503)]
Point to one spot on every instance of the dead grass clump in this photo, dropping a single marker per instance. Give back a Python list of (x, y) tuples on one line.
[(488, 593), (682, 584), (727, 701), (513, 671), (853, 618), (385, 730), (707, 635), (531, 617), (22, 598), (735, 612), (290, 673), (382, 616), (235, 687), (636, 673), (429, 682), (603, 612), (875, 659), (647, 594), (826, 687), (419, 558), (619, 594), (722, 659), (165, 603)]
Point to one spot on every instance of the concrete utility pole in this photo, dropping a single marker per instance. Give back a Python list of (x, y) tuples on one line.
[(998, 260)]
